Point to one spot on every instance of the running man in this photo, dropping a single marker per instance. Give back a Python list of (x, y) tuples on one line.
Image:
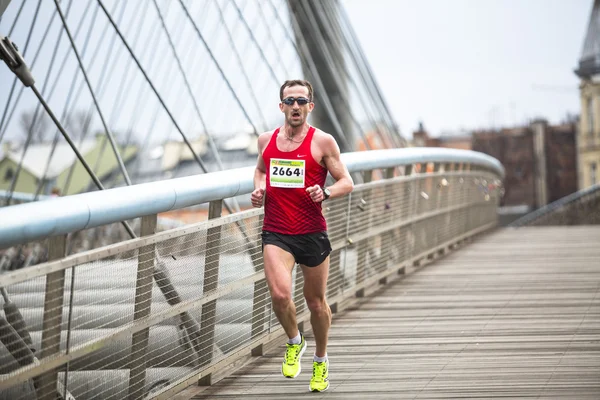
[(290, 174)]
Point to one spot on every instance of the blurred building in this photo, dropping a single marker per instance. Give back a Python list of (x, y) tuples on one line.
[(43, 167), (588, 146), (421, 138), (539, 159)]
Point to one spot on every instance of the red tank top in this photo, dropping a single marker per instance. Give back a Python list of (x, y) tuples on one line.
[(288, 207)]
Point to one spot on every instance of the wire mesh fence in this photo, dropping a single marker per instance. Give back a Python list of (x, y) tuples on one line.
[(144, 317)]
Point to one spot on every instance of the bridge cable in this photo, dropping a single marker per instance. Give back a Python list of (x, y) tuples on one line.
[(240, 62), (35, 58), (253, 39), (15, 177), (106, 71), (333, 33), (368, 80), (10, 31), (367, 67), (15, 62), (101, 84), (166, 88), (218, 66), (119, 98), (68, 107), (198, 159), (195, 102), (202, 165), (330, 61), (89, 85), (12, 89), (309, 62)]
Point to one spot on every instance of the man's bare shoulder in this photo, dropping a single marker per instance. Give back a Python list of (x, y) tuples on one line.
[(263, 139), (325, 140)]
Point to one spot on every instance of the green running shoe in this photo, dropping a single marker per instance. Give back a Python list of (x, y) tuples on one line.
[(320, 377), (291, 361)]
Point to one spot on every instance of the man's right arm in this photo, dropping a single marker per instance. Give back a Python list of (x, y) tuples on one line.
[(260, 173)]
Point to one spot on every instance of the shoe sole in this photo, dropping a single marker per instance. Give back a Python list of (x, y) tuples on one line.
[(316, 390), (299, 358)]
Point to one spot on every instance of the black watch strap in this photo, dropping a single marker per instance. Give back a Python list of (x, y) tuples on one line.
[(326, 193)]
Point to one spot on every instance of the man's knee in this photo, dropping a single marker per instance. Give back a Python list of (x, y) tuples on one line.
[(317, 305), (280, 298)]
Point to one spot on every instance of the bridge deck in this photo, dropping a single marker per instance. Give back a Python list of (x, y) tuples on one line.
[(516, 314)]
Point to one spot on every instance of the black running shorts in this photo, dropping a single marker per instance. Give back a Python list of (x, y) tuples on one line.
[(310, 249)]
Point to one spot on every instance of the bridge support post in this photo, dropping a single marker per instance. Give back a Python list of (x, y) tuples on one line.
[(387, 237), (364, 245), (142, 307), (52, 319), (211, 281), (259, 301)]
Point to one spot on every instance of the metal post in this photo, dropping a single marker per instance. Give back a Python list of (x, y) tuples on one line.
[(260, 293), (52, 319), (142, 308), (211, 282), (363, 246), (387, 237)]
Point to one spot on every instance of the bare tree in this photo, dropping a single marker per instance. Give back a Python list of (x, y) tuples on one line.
[(78, 123), (39, 125)]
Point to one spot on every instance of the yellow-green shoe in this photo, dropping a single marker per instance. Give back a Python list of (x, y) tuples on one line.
[(291, 360), (320, 377)]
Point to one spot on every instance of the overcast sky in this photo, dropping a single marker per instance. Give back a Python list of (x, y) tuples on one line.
[(453, 64), (464, 64)]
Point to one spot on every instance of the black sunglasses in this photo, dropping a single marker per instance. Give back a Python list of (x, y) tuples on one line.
[(290, 101)]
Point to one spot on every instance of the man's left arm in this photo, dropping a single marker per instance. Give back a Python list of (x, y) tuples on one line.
[(338, 170)]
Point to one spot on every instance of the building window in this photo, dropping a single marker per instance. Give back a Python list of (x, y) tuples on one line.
[(9, 174), (593, 173)]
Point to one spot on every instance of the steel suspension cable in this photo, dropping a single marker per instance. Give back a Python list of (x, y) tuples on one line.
[(17, 172), (218, 66), (253, 39), (334, 64), (370, 75), (35, 58), (240, 62), (14, 24), (89, 85), (188, 87), (67, 107), (12, 89), (310, 64), (198, 159), (120, 97), (166, 88), (101, 86), (76, 151), (331, 16)]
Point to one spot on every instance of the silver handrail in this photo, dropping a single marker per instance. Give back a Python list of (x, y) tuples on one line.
[(555, 205), (33, 221)]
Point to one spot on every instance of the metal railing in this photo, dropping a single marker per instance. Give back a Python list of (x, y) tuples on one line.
[(568, 210), (146, 317)]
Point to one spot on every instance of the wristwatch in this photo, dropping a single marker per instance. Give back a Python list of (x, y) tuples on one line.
[(326, 193)]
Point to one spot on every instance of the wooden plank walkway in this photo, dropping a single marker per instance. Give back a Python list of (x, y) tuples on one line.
[(516, 314)]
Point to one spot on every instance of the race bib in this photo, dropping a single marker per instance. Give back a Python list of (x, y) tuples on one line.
[(287, 173)]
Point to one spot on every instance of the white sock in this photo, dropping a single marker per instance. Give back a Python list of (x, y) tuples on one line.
[(320, 359), (295, 340)]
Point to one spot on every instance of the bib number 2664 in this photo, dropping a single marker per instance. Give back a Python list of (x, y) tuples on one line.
[(287, 173)]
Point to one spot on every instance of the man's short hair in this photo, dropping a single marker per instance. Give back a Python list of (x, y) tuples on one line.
[(297, 82)]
